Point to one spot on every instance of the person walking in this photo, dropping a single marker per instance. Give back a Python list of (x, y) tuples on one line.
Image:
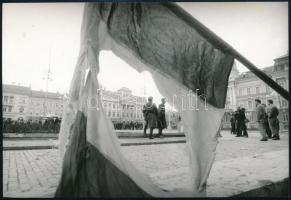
[(162, 123), (273, 113), (261, 114), (268, 130), (150, 113)]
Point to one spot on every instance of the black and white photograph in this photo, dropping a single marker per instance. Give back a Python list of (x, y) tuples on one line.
[(145, 99)]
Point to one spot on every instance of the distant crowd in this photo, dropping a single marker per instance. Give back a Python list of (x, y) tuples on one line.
[(52, 125), (128, 125), (49, 125)]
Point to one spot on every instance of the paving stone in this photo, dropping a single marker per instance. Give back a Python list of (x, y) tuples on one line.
[(39, 170)]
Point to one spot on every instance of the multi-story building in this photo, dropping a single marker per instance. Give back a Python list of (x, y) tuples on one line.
[(22, 102), (122, 105), (15, 101), (244, 88)]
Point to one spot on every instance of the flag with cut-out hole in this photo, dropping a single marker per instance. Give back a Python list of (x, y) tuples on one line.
[(184, 62)]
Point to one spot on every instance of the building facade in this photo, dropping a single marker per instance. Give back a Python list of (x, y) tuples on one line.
[(122, 105), (22, 102), (244, 88)]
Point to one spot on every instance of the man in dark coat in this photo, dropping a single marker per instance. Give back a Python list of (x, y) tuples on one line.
[(237, 120), (268, 130), (261, 115), (150, 113), (162, 123), (243, 123), (232, 123), (273, 113)]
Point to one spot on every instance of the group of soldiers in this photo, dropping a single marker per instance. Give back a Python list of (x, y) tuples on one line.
[(128, 125), (238, 122), (155, 117), (49, 125), (266, 117)]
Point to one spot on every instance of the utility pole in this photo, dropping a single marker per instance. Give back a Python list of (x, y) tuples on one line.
[(47, 79)]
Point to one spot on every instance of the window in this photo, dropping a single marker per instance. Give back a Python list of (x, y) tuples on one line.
[(284, 103), (4, 109), (22, 100), (21, 109), (281, 82), (267, 89), (117, 114), (5, 99), (250, 105), (248, 91), (113, 105), (11, 99), (257, 90), (285, 117), (240, 92), (9, 108), (113, 114), (109, 114)]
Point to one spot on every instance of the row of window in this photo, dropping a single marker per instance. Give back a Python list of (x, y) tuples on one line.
[(250, 90), (48, 104), (8, 99), (8, 109)]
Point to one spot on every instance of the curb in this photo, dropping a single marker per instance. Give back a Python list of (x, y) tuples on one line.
[(121, 144)]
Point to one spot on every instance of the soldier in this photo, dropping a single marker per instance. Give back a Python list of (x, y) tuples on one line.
[(232, 122), (150, 112), (273, 113), (162, 123), (237, 122), (243, 123), (268, 130), (261, 114)]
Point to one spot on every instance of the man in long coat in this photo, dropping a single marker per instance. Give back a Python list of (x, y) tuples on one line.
[(261, 114), (150, 113), (273, 113), (162, 123)]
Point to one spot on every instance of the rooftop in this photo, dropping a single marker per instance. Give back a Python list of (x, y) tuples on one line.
[(22, 90), (282, 57)]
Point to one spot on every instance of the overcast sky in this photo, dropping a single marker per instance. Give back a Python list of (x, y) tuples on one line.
[(259, 31)]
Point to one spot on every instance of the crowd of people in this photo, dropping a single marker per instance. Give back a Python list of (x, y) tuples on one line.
[(238, 122), (266, 117), (127, 125), (48, 125)]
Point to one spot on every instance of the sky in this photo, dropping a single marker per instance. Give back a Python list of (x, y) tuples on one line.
[(37, 36)]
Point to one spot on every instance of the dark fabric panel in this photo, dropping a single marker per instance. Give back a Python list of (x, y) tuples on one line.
[(87, 173), (162, 39)]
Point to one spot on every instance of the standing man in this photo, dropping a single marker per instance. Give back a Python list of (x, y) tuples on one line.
[(243, 123), (150, 113), (237, 117), (261, 114), (232, 122), (268, 130), (273, 113), (162, 123)]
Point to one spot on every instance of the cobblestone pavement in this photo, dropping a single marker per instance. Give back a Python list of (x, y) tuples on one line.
[(39, 170)]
